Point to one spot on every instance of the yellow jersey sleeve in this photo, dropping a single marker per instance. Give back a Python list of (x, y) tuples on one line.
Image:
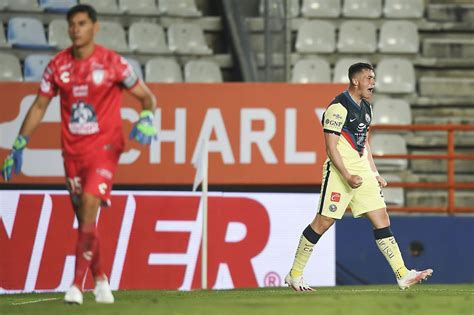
[(334, 118)]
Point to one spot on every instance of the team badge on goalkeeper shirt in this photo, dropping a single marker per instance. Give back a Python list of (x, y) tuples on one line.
[(98, 76)]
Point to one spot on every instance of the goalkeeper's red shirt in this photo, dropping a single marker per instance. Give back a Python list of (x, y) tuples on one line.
[(90, 92)]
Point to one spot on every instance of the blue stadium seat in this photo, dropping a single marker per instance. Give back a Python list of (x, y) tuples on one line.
[(34, 66), (57, 6), (26, 33)]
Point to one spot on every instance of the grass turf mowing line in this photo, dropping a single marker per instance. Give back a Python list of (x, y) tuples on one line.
[(351, 300)]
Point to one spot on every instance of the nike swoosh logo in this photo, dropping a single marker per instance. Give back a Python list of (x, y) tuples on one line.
[(351, 120)]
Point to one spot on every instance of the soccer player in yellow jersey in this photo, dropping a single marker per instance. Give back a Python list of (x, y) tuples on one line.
[(350, 178)]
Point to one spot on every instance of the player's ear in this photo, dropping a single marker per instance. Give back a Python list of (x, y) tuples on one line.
[(96, 27), (355, 82)]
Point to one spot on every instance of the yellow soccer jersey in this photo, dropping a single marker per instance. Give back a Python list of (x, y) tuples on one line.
[(351, 122)]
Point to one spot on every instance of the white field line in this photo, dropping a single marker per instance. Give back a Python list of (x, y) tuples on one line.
[(36, 301)]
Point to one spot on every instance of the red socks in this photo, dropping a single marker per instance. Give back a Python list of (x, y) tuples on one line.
[(87, 252)]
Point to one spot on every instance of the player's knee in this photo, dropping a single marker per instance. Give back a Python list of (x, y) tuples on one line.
[(321, 224)]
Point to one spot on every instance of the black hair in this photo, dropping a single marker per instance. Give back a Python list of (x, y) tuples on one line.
[(82, 8), (358, 67)]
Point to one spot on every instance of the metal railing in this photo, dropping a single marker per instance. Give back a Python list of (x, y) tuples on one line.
[(451, 185)]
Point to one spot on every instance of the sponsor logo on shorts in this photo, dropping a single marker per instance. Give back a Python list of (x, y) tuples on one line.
[(335, 196), (332, 207), (104, 173)]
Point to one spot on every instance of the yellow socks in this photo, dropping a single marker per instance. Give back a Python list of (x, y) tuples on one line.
[(388, 246), (305, 247)]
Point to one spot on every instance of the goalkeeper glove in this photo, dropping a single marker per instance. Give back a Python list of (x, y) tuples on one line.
[(15, 158), (144, 131)]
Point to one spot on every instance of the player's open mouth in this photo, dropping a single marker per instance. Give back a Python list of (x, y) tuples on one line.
[(371, 90)]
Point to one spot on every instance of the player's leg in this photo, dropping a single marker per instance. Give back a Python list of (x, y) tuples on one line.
[(333, 201)]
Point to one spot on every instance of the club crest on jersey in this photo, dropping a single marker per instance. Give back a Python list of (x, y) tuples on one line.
[(98, 76), (367, 118)]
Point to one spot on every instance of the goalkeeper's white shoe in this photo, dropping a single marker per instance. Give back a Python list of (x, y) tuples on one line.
[(103, 293), (413, 277), (73, 296), (297, 283)]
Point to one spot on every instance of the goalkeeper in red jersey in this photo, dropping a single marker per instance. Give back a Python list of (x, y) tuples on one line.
[(90, 80)]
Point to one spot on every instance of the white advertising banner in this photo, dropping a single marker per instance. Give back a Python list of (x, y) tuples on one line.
[(151, 240)]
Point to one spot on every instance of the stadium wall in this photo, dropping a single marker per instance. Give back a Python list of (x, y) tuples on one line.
[(443, 243)]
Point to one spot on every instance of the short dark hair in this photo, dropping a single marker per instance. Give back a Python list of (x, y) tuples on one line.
[(358, 67), (82, 8)]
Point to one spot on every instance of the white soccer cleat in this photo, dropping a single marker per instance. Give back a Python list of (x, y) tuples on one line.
[(297, 283), (73, 296), (413, 277), (103, 293)]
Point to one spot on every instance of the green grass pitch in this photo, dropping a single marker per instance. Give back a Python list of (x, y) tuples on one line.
[(340, 300)]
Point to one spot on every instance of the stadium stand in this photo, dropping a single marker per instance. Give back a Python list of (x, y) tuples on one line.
[(394, 196), (362, 8), (164, 70), (10, 68), (392, 111), (399, 37), (186, 38), (60, 6), (184, 8), (112, 35), (403, 9), (276, 8), (147, 37), (23, 5), (58, 35), (389, 144), (34, 66), (140, 7), (203, 71), (311, 70), (103, 6), (316, 37), (321, 8), (26, 33), (341, 66), (357, 37), (395, 75)]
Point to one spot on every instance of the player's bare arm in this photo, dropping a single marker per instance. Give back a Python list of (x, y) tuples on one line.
[(382, 182), (331, 140), (35, 115), (143, 94)]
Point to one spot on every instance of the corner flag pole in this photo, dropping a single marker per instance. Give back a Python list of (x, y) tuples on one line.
[(201, 165)]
